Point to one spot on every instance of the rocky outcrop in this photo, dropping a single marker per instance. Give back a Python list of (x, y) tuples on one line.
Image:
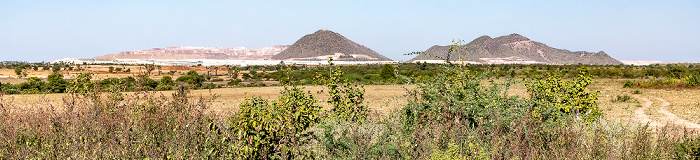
[(231, 53), (489, 50)]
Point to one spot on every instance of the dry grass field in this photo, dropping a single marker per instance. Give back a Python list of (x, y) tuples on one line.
[(102, 72), (383, 99), (386, 99)]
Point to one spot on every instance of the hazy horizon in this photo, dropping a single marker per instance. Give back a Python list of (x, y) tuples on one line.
[(37, 31)]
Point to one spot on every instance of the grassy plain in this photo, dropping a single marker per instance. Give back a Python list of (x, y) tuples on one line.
[(102, 72), (386, 99), (382, 99)]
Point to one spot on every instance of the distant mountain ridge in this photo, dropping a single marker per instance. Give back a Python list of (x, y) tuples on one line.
[(324, 43), (223, 53), (519, 49)]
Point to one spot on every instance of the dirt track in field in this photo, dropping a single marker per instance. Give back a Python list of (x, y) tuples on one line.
[(642, 115)]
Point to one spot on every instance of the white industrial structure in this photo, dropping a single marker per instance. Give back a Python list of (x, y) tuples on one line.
[(208, 62)]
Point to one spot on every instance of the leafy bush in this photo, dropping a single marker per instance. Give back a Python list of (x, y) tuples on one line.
[(689, 149), (256, 84), (387, 71), (628, 84), (192, 78), (210, 86), (623, 98), (346, 98), (274, 130), (555, 98), (637, 92), (692, 80), (234, 82), (82, 85), (166, 80)]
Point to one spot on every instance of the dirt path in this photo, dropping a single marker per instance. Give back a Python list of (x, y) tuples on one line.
[(668, 116), (675, 119), (642, 117)]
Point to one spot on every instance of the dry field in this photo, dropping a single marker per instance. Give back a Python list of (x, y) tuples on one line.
[(382, 99), (683, 106), (102, 72)]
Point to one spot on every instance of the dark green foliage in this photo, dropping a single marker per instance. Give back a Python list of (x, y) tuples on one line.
[(210, 86), (55, 68), (147, 84), (689, 149), (256, 84), (56, 83), (166, 80), (623, 98), (192, 78), (387, 71), (628, 84), (32, 86), (637, 92), (234, 82), (18, 72), (246, 76)]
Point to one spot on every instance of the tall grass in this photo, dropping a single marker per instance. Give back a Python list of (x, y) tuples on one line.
[(106, 125), (442, 120)]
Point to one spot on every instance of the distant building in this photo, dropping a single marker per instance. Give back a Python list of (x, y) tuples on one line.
[(640, 63)]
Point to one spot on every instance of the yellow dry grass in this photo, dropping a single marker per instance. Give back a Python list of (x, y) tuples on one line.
[(382, 99), (102, 72), (387, 99)]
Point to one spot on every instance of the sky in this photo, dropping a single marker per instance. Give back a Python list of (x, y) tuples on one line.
[(48, 30)]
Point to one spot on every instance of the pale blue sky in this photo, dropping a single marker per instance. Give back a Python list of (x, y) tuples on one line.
[(627, 30)]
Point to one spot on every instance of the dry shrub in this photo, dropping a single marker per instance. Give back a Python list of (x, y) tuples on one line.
[(106, 125)]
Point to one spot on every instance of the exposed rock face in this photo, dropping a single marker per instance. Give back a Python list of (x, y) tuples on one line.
[(323, 44), (232, 53), (515, 45)]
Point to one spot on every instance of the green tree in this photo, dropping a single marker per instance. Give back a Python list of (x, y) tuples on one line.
[(18, 72), (56, 83), (81, 85), (234, 82), (387, 71), (166, 80), (111, 69), (192, 78), (55, 68), (246, 76)]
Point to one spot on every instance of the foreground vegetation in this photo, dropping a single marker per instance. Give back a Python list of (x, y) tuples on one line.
[(674, 76), (452, 116)]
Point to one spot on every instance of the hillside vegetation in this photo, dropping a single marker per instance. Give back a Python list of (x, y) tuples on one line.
[(325, 42), (518, 46)]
